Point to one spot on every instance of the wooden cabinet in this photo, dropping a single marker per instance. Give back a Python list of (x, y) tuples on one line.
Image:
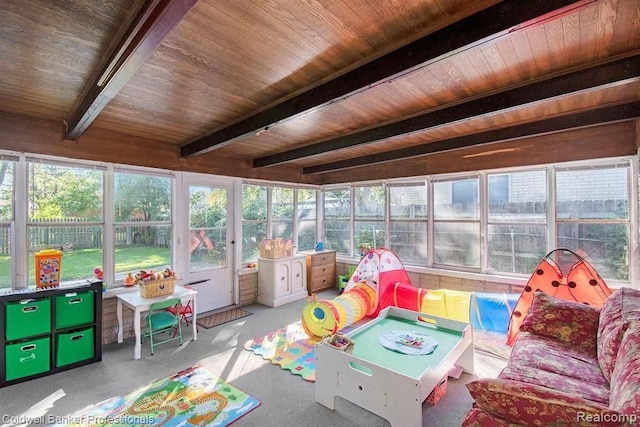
[(49, 330), (281, 281), (321, 270)]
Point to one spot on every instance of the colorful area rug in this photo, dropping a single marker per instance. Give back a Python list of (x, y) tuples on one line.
[(222, 317), (290, 348), (193, 397)]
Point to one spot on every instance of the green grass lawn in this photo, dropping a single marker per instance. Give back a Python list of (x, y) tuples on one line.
[(79, 264)]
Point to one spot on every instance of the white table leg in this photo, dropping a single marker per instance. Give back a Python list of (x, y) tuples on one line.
[(193, 317), (119, 315), (136, 329)]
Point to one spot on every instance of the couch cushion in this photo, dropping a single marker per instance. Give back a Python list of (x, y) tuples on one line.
[(568, 321), (531, 405), (625, 378), (556, 364), (617, 312)]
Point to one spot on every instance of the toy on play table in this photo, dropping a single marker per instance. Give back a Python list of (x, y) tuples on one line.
[(47, 268), (341, 342)]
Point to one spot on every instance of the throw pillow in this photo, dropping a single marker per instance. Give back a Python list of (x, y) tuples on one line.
[(618, 312), (567, 321), (532, 405)]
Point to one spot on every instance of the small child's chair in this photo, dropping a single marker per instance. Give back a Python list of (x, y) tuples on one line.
[(184, 311), (161, 320), (343, 279)]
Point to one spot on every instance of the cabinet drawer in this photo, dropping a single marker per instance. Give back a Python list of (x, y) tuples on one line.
[(27, 318), (321, 259), (27, 358), (74, 346), (74, 309), (318, 273)]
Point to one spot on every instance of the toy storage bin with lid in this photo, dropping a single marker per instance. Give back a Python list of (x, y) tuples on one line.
[(27, 318), (74, 308), (74, 346), (26, 358), (47, 268)]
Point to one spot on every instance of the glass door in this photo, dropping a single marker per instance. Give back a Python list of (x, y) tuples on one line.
[(208, 240)]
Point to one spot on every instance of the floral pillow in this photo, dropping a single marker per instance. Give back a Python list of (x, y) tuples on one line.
[(567, 321), (533, 405)]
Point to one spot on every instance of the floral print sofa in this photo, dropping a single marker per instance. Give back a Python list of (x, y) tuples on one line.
[(571, 365)]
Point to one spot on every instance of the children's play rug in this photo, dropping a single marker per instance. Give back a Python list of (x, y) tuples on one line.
[(290, 347), (222, 317), (193, 397)]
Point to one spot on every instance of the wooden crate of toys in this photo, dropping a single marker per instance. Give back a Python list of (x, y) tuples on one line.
[(438, 392), (341, 342), (152, 285)]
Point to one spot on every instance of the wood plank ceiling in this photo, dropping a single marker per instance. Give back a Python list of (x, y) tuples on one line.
[(321, 92)]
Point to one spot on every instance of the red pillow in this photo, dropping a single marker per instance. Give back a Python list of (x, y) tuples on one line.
[(567, 321)]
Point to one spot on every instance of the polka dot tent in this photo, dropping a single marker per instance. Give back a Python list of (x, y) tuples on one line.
[(565, 275)]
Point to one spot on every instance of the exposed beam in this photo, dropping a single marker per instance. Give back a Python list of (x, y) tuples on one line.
[(604, 74), (588, 118), (149, 29), (489, 23)]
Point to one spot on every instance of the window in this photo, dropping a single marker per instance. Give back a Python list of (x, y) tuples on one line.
[(456, 222), (142, 222), (254, 220), (408, 222), (306, 202), (6, 217), (65, 205), (282, 212), (369, 217), (516, 229), (337, 220), (592, 216)]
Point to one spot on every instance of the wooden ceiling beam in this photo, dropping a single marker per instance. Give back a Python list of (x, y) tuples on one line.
[(599, 75), (152, 24), (492, 22), (587, 118)]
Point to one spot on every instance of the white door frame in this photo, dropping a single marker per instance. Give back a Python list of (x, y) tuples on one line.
[(181, 229)]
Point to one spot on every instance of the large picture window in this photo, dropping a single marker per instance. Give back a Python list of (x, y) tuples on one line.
[(306, 203), (408, 222), (142, 222), (254, 220), (456, 222), (369, 217), (7, 168), (516, 230), (592, 216), (65, 212), (337, 220)]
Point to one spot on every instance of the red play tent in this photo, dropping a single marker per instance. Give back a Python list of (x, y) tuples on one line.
[(565, 275)]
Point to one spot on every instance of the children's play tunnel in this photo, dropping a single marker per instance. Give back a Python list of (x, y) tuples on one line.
[(326, 317)]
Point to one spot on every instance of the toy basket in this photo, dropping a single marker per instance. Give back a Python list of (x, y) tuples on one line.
[(276, 248), (438, 392), (157, 288), (340, 342)]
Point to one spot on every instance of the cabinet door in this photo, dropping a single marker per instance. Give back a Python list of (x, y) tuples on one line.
[(298, 277), (282, 279)]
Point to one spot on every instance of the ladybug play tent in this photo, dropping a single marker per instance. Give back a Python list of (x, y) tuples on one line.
[(565, 275)]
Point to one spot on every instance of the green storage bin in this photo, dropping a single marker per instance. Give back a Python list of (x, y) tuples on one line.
[(27, 318), (74, 346), (74, 309), (27, 358)]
